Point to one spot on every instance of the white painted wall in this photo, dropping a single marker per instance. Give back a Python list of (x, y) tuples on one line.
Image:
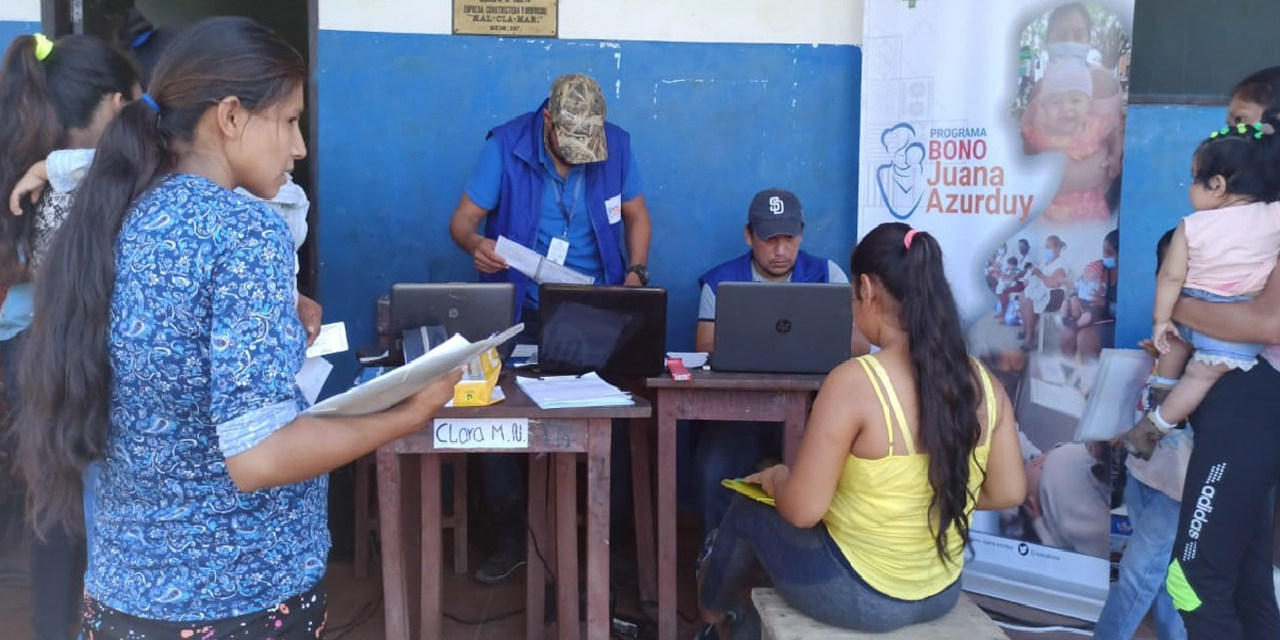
[(747, 21), (20, 10)]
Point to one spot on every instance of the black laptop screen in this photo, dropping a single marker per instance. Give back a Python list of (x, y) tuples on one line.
[(619, 331)]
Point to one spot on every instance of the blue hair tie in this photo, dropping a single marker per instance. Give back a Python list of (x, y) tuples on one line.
[(141, 39), (151, 102)]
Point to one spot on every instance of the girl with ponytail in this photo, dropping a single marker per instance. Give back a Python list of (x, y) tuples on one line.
[(167, 350), (54, 95), (870, 527)]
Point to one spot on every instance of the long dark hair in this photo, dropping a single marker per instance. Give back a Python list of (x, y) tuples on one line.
[(66, 373), (946, 381), (41, 101)]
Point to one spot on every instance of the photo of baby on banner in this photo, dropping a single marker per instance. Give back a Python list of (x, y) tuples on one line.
[(1022, 177), (1073, 80), (1053, 284), (1013, 118)]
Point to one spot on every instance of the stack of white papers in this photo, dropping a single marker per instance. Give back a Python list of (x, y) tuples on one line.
[(384, 391), (567, 392)]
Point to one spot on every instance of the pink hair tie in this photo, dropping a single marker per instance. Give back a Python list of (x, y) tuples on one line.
[(906, 241)]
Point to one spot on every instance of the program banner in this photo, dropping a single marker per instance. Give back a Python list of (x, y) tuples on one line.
[(998, 127)]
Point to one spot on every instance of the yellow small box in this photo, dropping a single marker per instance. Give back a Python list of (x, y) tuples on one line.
[(478, 381)]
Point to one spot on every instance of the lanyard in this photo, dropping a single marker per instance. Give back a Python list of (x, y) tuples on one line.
[(573, 206)]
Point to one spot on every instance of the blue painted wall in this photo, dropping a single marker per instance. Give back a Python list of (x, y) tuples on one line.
[(1159, 141), (402, 119), (10, 29)]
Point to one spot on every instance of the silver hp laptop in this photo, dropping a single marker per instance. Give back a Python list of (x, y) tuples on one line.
[(769, 327), (476, 311)]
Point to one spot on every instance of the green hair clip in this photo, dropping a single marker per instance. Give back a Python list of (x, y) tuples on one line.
[(44, 46), (1242, 129)]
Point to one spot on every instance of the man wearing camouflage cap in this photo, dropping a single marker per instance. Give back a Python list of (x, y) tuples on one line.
[(564, 183)]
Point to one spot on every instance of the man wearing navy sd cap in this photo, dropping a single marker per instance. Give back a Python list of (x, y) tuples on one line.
[(774, 230)]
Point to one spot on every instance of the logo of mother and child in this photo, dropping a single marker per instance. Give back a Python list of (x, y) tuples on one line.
[(960, 180)]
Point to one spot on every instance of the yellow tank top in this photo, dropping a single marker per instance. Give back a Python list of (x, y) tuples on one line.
[(879, 515)]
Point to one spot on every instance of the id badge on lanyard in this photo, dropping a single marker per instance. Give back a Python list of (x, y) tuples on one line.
[(558, 249)]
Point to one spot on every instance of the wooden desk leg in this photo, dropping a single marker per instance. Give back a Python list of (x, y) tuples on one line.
[(599, 445), (460, 533), (566, 470), (642, 496), (797, 412), (667, 615), (394, 581), (535, 571), (432, 548)]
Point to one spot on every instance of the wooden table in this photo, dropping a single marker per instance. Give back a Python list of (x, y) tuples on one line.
[(409, 496), (710, 395)]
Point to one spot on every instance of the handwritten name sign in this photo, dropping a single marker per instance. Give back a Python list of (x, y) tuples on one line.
[(482, 433)]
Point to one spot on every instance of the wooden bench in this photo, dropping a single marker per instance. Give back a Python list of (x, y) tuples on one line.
[(781, 622)]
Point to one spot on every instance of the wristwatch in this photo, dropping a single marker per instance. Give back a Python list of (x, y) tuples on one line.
[(642, 271)]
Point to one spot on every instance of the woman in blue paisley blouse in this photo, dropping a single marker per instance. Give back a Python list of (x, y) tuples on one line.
[(168, 348)]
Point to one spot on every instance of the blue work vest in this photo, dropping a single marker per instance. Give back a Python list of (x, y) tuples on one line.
[(520, 198), (808, 268)]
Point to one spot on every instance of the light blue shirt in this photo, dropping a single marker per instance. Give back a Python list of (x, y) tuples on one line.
[(16, 313), (564, 207)]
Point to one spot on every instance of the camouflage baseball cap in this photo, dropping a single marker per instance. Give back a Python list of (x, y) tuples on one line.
[(577, 110)]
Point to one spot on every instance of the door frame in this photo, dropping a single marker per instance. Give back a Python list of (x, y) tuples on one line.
[(56, 20)]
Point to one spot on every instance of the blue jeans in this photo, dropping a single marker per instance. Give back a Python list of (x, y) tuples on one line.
[(1237, 354), (728, 450), (1141, 585), (808, 570)]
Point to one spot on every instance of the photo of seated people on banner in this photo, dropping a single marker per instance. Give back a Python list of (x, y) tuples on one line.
[(1054, 303), (1017, 171)]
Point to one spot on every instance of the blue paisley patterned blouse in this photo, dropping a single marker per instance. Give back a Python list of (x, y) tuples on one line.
[(206, 343)]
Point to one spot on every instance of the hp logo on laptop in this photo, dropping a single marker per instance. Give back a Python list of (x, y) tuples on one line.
[(453, 313), (783, 326)]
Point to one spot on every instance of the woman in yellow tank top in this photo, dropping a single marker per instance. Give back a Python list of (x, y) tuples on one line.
[(870, 527)]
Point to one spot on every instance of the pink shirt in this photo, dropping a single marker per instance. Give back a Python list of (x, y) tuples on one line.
[(1232, 250)]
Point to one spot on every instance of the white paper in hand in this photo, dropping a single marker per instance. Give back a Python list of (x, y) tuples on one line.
[(1112, 402), (332, 339), (388, 389), (539, 269), (311, 379)]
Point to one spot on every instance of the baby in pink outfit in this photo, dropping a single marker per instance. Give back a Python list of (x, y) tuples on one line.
[(1062, 117), (1222, 253)]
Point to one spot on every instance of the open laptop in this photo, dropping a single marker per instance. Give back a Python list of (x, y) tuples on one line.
[(476, 311), (615, 331), (766, 327)]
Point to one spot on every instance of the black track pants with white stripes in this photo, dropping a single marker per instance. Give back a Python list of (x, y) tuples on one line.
[(1220, 577)]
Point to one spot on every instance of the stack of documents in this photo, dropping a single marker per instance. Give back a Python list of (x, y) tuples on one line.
[(567, 392), (385, 391)]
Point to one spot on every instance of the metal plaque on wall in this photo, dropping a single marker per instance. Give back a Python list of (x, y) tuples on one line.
[(519, 18)]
